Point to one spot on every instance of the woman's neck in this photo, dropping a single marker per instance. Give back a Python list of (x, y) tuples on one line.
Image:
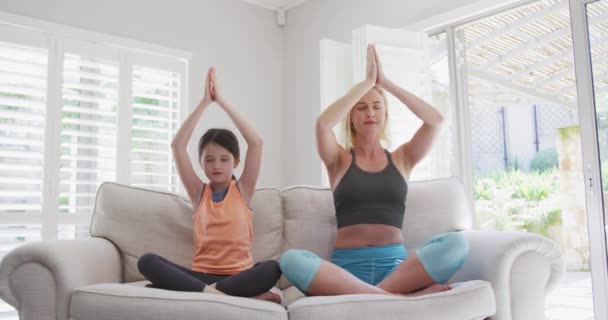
[(369, 148)]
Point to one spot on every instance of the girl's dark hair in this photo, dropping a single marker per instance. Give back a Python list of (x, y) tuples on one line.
[(222, 137)]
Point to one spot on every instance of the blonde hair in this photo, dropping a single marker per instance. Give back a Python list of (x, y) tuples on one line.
[(349, 134)]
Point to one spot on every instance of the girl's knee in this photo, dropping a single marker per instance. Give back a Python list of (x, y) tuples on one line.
[(145, 261), (271, 267)]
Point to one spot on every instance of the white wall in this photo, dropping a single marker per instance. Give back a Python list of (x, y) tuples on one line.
[(241, 40), (269, 73), (306, 25)]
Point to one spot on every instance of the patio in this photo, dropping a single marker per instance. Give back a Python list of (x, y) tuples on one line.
[(572, 300)]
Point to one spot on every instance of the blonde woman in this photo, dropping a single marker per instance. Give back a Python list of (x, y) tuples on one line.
[(369, 185)]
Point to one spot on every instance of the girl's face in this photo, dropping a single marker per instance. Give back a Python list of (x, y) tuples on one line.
[(368, 116), (218, 163)]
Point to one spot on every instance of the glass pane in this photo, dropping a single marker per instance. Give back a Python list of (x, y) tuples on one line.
[(22, 114), (88, 130), (154, 122), (598, 45), (527, 157)]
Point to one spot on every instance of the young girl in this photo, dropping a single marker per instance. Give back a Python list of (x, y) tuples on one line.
[(223, 231)]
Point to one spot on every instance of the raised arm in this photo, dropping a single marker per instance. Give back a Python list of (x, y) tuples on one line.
[(192, 183), (327, 145), (253, 158), (411, 152)]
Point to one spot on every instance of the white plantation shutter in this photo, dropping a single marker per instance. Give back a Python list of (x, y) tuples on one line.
[(156, 102), (14, 235), (88, 130), (23, 86), (22, 111), (74, 113)]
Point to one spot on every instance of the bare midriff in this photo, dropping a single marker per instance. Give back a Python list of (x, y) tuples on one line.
[(367, 235)]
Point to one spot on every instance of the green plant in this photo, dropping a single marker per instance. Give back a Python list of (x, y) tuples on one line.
[(544, 160), (523, 192), (483, 188), (532, 190), (512, 164), (604, 170), (531, 186), (540, 223)]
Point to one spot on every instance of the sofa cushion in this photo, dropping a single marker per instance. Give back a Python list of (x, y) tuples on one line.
[(467, 300), (434, 207), (140, 220), (135, 302)]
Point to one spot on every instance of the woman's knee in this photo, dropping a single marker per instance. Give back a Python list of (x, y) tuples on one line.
[(443, 255), (457, 245), (299, 267)]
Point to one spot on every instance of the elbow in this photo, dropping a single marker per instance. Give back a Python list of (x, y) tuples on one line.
[(256, 142), (176, 144), (321, 125), (438, 121)]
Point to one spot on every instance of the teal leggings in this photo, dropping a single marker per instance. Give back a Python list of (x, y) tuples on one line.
[(441, 257)]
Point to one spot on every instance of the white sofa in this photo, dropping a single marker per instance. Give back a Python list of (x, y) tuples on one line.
[(507, 274)]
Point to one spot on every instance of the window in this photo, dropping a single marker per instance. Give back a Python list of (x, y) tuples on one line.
[(76, 109)]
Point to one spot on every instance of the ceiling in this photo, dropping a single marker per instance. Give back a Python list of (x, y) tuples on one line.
[(276, 4)]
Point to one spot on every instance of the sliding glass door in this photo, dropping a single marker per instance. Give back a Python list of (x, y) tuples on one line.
[(590, 41)]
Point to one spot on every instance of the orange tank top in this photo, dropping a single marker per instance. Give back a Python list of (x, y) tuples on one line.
[(223, 234)]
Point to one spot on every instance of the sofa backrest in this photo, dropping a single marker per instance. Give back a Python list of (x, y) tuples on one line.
[(139, 221), (432, 207)]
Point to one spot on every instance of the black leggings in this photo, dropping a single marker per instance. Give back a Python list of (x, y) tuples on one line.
[(165, 274)]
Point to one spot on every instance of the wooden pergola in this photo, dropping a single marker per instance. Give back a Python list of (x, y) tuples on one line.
[(528, 51)]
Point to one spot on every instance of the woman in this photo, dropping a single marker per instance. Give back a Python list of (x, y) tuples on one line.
[(370, 188)]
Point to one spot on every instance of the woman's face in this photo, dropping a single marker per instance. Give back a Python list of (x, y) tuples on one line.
[(368, 116)]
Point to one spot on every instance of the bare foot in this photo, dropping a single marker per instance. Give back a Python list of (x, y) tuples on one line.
[(269, 296), (436, 287)]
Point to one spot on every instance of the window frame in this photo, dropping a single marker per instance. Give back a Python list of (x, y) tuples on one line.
[(58, 39)]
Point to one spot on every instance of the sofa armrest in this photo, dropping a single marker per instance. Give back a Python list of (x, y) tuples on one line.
[(522, 268), (38, 278)]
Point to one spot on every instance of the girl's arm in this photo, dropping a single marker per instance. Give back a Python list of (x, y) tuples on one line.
[(253, 158), (192, 183)]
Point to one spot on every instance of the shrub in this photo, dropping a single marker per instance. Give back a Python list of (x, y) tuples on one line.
[(540, 223), (483, 188), (545, 160)]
